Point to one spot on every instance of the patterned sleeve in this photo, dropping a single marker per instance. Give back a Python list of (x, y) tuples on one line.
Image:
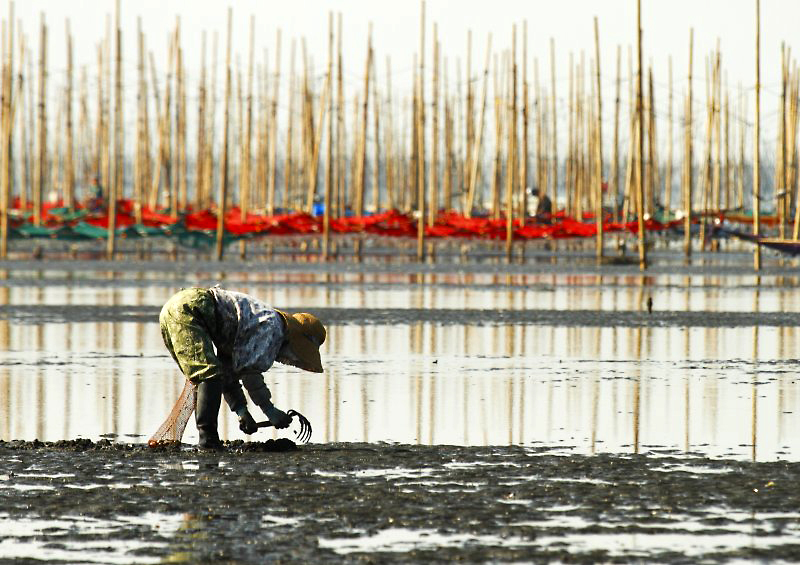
[(258, 391)]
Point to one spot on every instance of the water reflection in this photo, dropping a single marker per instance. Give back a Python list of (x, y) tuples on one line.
[(721, 391)]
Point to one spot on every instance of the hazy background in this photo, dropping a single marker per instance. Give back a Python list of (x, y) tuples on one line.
[(396, 34)]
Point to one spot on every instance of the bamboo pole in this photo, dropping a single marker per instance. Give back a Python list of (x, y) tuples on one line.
[(107, 163), (164, 134), (742, 136), (523, 153), (316, 145), (499, 120), (553, 117), (794, 117), (341, 168), (447, 173), (97, 160), (148, 157), (208, 159), (326, 217), (728, 173), (757, 145), (421, 137), (307, 127), (180, 133), (85, 126), (199, 175), (707, 168), (537, 109), (615, 149), (629, 196), (376, 146), (793, 179), (469, 118), (115, 189), (578, 158), (140, 165), (5, 178), (688, 161), (654, 179), (599, 147), (640, 149), (40, 163), (69, 155), (433, 208), (512, 142), (152, 199), (223, 183), (474, 159), (246, 194), (388, 134), (351, 203), (237, 137), (24, 131), (362, 149), (668, 172), (273, 123), (571, 171), (288, 164), (408, 167), (56, 170), (261, 127), (781, 184), (174, 196), (717, 86)]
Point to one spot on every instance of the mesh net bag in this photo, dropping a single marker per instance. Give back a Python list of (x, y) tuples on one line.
[(171, 431)]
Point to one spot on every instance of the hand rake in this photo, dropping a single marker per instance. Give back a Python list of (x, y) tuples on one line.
[(304, 434)]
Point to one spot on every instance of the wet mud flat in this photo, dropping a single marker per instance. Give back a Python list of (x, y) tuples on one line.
[(83, 502)]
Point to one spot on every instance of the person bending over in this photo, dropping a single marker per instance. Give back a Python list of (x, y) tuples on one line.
[(223, 339)]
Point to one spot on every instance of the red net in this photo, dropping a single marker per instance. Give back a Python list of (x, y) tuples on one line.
[(171, 431)]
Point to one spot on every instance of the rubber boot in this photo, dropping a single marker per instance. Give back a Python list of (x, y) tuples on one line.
[(209, 397)]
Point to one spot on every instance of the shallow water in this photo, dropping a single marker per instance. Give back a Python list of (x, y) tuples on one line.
[(630, 435), (562, 360)]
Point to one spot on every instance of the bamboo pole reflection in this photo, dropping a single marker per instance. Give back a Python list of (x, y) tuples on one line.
[(139, 340), (5, 402), (362, 348), (432, 376), (686, 356), (509, 333), (638, 378), (522, 392), (337, 400), (510, 409), (782, 338), (636, 390), (416, 381), (754, 401), (115, 382), (597, 373)]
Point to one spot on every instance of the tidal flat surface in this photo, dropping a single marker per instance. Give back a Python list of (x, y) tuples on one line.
[(482, 412), (81, 502)]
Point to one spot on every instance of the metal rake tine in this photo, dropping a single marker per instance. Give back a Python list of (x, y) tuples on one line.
[(305, 426)]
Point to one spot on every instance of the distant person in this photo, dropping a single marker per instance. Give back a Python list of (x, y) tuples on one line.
[(222, 339), (95, 202), (544, 207)]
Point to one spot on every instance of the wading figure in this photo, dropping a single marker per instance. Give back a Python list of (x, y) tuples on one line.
[(544, 207), (222, 340)]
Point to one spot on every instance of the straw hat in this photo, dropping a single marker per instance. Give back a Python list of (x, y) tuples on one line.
[(305, 334)]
